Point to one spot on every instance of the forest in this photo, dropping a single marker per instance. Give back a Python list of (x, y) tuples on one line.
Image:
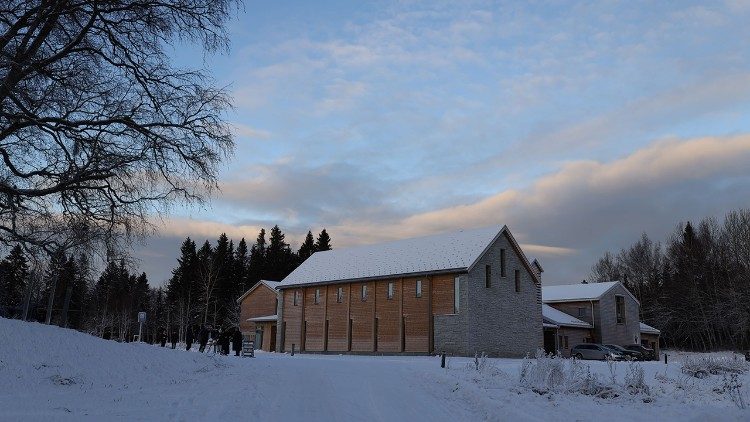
[(694, 287), (203, 288)]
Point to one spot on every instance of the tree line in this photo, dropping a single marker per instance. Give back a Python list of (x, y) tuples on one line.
[(203, 288), (696, 287)]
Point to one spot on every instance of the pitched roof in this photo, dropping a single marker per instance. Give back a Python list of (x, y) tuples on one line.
[(560, 318), (645, 328), (268, 283), (574, 292), (453, 251)]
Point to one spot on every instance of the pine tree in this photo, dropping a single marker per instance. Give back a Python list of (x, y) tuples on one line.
[(324, 242), (307, 248), (279, 258), (14, 274), (257, 265)]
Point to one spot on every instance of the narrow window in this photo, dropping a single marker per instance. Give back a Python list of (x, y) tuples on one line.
[(581, 312), (502, 262), (620, 309), (364, 292), (419, 288), (390, 290), (295, 301), (340, 295), (317, 296), (518, 281), (456, 295), (487, 276)]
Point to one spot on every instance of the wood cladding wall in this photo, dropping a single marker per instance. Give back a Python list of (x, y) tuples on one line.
[(377, 322)]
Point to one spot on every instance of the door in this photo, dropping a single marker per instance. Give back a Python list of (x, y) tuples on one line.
[(258, 339), (273, 339), (549, 341)]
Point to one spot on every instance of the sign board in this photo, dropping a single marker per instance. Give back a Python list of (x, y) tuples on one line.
[(141, 317)]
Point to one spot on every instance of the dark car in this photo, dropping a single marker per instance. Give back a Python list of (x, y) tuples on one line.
[(648, 354), (595, 351), (629, 354)]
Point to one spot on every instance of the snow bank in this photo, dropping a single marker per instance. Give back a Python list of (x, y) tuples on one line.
[(49, 373)]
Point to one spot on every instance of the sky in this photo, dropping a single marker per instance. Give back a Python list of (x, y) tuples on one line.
[(579, 125)]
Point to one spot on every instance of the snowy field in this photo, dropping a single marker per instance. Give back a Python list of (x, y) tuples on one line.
[(48, 373)]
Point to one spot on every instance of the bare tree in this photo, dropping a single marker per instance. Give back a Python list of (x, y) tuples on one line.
[(99, 131)]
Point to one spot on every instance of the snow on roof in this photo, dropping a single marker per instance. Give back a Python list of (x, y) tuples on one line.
[(268, 283), (447, 251), (645, 328), (570, 292), (558, 317), (548, 325), (266, 318)]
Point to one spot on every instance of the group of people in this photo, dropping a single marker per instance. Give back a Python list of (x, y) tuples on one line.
[(207, 336)]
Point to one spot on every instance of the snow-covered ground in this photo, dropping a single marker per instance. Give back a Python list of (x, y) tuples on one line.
[(48, 373)]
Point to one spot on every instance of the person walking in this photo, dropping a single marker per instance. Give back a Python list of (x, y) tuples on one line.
[(173, 338), (226, 337), (162, 338), (237, 342), (189, 339), (203, 338)]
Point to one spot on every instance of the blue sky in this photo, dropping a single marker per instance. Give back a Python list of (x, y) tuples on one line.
[(578, 124)]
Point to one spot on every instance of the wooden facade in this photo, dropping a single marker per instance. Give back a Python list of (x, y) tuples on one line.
[(260, 301), (393, 316)]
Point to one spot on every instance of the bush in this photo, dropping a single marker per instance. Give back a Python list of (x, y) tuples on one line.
[(703, 366), (547, 374)]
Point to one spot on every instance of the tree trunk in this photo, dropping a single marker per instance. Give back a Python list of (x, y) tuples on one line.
[(51, 299), (66, 306)]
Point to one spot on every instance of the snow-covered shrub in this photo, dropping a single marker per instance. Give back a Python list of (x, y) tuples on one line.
[(635, 380), (546, 373), (732, 386), (703, 366)]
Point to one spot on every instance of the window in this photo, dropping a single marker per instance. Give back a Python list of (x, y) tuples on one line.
[(340, 295), (456, 294), (581, 312), (518, 281), (364, 292), (390, 290), (317, 296), (502, 262), (419, 288), (295, 298), (487, 276), (620, 309)]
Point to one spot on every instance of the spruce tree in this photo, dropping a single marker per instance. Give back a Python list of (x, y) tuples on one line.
[(324, 242), (14, 270), (257, 264), (307, 248)]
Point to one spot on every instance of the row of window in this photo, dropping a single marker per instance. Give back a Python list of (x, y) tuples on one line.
[(363, 294), (488, 277), (389, 294)]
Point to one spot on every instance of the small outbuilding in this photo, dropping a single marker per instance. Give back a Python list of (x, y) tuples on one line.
[(650, 338), (563, 331), (258, 314)]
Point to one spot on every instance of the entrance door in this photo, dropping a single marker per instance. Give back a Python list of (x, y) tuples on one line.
[(273, 339), (549, 341), (258, 339)]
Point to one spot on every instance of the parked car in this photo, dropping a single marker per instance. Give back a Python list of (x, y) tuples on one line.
[(647, 353), (629, 354), (595, 351)]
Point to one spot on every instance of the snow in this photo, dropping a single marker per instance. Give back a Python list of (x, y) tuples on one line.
[(447, 251), (49, 373), (645, 328), (571, 292), (266, 318), (560, 318)]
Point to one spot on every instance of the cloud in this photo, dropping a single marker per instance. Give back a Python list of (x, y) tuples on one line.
[(250, 132)]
